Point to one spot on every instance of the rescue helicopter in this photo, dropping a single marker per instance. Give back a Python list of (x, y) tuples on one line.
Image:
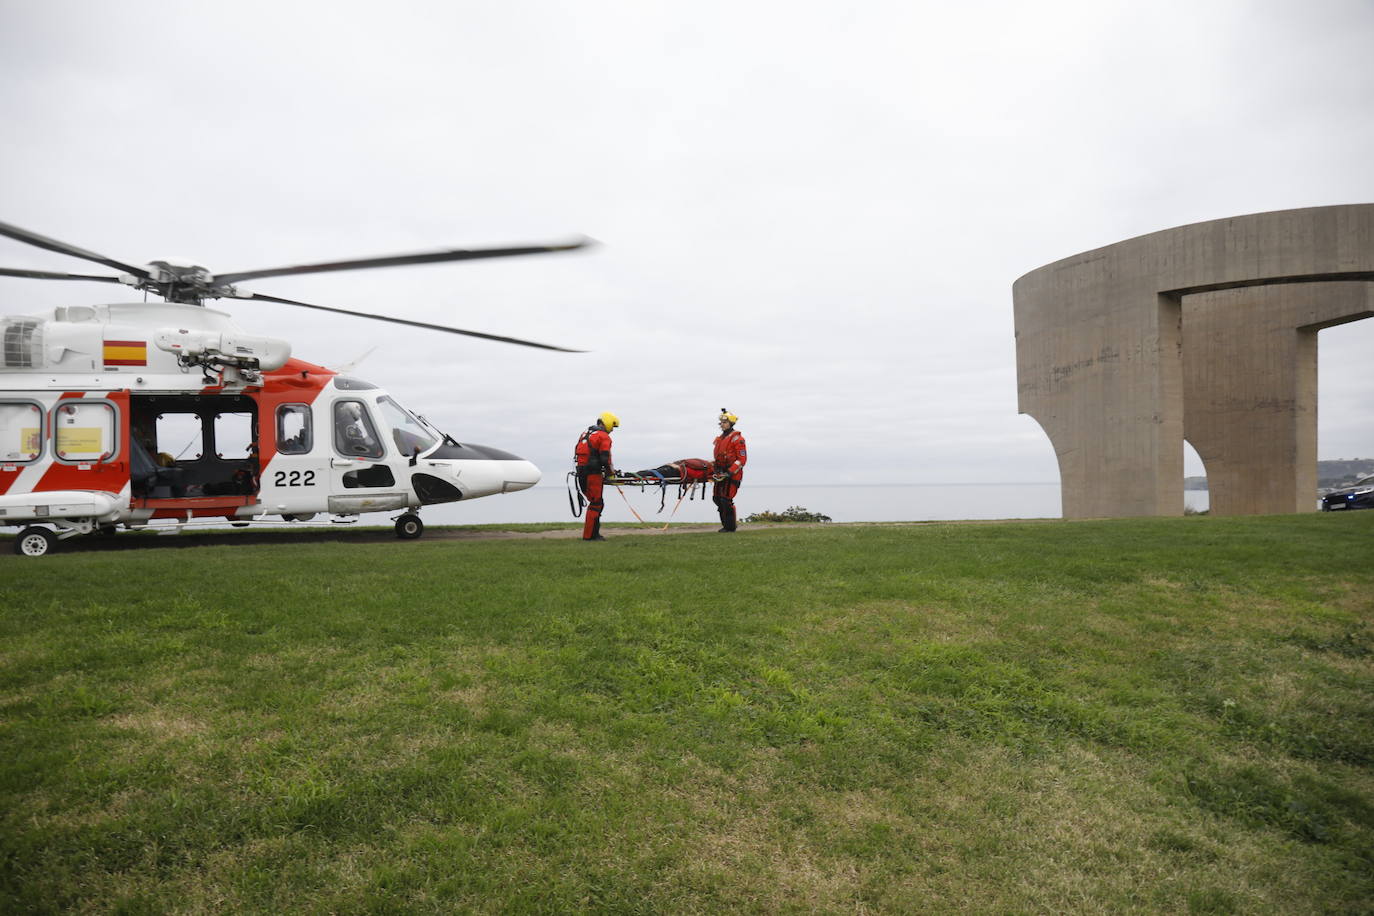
[(122, 414)]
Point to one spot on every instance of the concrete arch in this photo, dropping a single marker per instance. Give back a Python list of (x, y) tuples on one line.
[(1211, 327)]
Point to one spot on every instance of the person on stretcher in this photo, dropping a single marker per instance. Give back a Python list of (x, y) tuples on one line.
[(686, 470)]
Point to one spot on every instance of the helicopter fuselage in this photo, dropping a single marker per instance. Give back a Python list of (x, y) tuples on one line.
[(124, 414)]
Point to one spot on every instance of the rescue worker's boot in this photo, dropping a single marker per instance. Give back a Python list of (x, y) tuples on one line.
[(591, 527), (727, 518)]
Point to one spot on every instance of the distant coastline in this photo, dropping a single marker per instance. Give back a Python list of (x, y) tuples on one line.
[(1332, 474)]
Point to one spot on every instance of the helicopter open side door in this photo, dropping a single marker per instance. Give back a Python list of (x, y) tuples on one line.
[(191, 449)]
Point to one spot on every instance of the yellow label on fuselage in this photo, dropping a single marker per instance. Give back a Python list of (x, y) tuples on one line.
[(80, 440)]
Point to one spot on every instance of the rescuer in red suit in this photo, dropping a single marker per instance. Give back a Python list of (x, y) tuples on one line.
[(593, 456), (730, 457)]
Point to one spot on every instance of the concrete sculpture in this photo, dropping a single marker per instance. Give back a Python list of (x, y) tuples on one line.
[(1206, 331)]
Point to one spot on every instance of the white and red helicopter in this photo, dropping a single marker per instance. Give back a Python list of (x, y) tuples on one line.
[(122, 414)]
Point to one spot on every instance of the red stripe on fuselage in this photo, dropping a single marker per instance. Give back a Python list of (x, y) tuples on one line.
[(297, 382), (108, 476), (53, 478)]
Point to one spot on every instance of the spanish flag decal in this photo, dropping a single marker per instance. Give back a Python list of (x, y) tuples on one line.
[(126, 353)]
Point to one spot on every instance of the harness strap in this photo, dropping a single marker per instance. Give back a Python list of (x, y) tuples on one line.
[(575, 485), (671, 514)]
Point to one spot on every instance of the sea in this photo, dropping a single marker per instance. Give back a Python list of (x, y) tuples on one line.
[(842, 503)]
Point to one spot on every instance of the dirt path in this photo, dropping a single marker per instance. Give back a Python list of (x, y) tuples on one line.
[(566, 534), (208, 537), (318, 534)]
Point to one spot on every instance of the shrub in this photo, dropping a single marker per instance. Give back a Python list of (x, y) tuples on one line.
[(792, 514)]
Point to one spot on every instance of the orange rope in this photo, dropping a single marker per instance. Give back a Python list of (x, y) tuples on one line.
[(644, 523), (632, 508)]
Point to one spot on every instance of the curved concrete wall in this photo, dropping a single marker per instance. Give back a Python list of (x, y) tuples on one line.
[(1213, 322)]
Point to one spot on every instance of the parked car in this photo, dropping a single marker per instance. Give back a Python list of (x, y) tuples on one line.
[(1360, 495)]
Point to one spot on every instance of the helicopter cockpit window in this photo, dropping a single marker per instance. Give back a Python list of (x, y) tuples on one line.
[(344, 383), (410, 435), (180, 436), (84, 430), (21, 432), (295, 432), (354, 433)]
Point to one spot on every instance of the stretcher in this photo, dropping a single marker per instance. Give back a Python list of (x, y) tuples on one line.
[(690, 475), (688, 487)]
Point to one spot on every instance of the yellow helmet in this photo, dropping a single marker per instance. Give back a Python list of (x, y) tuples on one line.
[(728, 416), (609, 420)]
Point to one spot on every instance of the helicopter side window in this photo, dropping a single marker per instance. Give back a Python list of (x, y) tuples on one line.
[(84, 431), (354, 433), (21, 432), (295, 433), (374, 475)]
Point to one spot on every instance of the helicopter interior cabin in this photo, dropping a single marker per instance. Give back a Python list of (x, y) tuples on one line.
[(193, 447)]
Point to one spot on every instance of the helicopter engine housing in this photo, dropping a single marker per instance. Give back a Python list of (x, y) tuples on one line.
[(232, 349)]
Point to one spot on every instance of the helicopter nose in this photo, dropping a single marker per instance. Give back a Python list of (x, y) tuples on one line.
[(481, 470), (519, 475)]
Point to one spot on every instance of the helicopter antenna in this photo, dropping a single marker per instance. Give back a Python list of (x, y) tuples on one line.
[(356, 361)]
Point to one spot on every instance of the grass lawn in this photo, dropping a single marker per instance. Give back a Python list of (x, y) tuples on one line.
[(1161, 715)]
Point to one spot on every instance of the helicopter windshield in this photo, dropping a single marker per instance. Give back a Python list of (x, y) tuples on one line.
[(411, 435)]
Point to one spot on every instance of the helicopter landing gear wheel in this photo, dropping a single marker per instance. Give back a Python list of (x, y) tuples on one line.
[(34, 541), (409, 526)]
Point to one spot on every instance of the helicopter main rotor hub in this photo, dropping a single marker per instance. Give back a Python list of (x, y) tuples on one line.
[(180, 280)]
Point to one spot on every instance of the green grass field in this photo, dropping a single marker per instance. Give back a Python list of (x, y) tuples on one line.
[(1163, 715)]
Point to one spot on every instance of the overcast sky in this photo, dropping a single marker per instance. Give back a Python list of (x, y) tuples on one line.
[(810, 213)]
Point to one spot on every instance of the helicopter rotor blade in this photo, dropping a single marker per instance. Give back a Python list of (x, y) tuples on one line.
[(42, 241), (259, 297), (50, 275), (421, 257)]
